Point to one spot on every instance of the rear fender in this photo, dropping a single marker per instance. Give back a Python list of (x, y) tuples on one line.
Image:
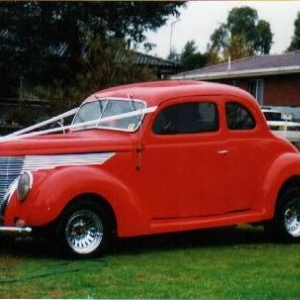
[(283, 168)]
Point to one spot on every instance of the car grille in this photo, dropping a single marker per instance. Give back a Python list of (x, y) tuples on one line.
[(10, 169)]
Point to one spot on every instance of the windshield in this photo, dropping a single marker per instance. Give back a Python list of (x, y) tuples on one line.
[(273, 116), (114, 114)]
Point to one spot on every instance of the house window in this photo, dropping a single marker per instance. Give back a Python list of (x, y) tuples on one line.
[(256, 89)]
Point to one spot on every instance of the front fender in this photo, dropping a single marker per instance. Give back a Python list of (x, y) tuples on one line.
[(282, 169), (46, 202)]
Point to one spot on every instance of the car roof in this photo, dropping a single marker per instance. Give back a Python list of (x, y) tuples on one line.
[(156, 92)]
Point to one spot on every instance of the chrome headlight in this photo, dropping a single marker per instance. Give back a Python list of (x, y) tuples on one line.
[(24, 185)]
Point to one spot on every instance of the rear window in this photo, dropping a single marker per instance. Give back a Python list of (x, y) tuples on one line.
[(239, 117)]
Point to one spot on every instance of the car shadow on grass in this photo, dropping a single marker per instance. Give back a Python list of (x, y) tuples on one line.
[(242, 235)]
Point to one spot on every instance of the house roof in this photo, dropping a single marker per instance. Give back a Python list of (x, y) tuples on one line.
[(264, 65), (146, 59), (166, 66)]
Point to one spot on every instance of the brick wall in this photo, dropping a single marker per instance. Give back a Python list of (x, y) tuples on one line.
[(280, 90)]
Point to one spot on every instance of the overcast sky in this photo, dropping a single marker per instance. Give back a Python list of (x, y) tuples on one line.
[(200, 18)]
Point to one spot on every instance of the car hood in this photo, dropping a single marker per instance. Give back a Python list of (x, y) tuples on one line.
[(88, 141)]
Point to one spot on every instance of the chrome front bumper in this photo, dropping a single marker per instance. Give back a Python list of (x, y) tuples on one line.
[(15, 230)]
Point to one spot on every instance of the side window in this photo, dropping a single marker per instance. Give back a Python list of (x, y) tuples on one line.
[(238, 117), (192, 117)]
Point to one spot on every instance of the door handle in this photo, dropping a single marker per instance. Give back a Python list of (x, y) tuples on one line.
[(223, 152)]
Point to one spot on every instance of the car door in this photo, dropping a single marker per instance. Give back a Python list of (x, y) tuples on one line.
[(182, 173), (245, 161)]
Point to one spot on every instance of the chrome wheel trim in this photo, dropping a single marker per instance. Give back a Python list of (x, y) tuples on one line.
[(292, 218), (84, 231)]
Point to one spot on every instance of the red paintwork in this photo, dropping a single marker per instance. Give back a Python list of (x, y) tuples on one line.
[(174, 183)]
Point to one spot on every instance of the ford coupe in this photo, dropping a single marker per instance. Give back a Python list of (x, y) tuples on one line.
[(145, 159)]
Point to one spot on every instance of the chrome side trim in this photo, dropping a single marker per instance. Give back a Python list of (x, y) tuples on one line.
[(38, 162), (15, 230)]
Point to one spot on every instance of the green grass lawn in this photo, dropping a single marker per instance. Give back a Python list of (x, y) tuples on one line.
[(219, 264)]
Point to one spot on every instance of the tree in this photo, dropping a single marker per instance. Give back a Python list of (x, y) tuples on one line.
[(242, 21), (264, 37), (219, 38), (174, 56), (110, 63), (190, 58), (295, 43), (242, 35), (51, 43), (236, 48), (212, 57)]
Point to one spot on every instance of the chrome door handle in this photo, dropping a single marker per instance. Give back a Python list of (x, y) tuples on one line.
[(223, 152)]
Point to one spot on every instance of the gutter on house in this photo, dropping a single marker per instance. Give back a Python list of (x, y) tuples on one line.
[(242, 73)]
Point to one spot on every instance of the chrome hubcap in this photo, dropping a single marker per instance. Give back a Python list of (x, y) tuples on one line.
[(84, 231), (292, 218)]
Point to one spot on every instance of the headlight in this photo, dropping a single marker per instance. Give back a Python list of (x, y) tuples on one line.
[(24, 185)]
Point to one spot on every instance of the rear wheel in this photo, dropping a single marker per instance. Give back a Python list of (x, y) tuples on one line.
[(285, 225), (84, 230)]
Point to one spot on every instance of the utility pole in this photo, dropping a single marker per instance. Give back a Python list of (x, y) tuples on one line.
[(171, 33)]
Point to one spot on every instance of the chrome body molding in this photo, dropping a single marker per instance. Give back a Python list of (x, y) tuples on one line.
[(38, 162)]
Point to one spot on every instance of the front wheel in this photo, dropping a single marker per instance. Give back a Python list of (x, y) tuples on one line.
[(83, 230), (285, 225)]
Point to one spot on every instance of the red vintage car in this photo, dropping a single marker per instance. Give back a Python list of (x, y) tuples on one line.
[(150, 158)]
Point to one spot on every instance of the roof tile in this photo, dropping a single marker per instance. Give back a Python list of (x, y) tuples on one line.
[(289, 59)]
